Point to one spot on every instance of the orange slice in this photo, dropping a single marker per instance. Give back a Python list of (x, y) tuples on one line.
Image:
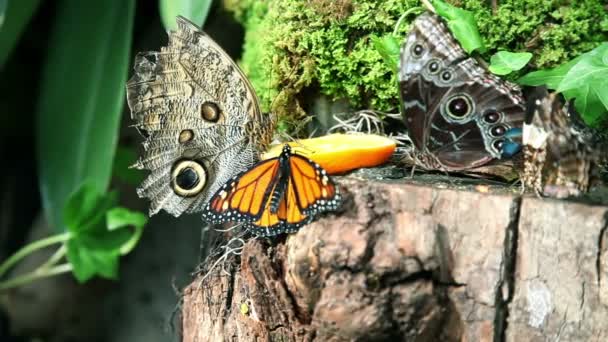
[(339, 153)]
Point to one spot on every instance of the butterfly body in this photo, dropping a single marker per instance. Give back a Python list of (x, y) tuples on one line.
[(561, 158), (457, 113), (200, 118), (275, 196)]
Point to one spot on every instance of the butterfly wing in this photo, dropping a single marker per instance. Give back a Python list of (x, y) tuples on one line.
[(313, 189), (561, 158), (200, 119), (456, 111), (277, 195), (246, 197), (287, 219)]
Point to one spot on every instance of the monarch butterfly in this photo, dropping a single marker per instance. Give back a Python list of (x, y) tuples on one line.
[(276, 195)]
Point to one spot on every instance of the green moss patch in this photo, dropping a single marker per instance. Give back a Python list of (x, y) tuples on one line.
[(298, 47)]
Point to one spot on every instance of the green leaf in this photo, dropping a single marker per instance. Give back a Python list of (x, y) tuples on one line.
[(588, 102), (3, 5), (587, 83), (505, 62), (194, 10), (85, 209), (550, 77), (88, 262), (462, 24), (118, 218), (98, 234), (388, 48), (591, 69), (584, 79), (124, 158), (82, 97), (14, 17)]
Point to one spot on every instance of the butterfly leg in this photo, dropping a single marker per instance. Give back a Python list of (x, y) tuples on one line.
[(413, 171)]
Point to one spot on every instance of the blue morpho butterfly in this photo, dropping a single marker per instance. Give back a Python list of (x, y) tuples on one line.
[(459, 115)]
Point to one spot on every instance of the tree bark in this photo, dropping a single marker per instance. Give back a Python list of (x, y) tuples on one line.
[(403, 262)]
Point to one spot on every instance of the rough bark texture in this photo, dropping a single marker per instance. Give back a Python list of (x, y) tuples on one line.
[(404, 262)]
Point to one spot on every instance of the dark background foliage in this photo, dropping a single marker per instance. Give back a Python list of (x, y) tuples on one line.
[(139, 305)]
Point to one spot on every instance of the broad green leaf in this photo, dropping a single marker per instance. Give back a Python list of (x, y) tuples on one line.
[(588, 103), (118, 218), (124, 158), (194, 10), (82, 97), (587, 82), (505, 62), (14, 17), (462, 24), (88, 262), (584, 79), (85, 209), (550, 77), (96, 242), (388, 47), (3, 5), (591, 69)]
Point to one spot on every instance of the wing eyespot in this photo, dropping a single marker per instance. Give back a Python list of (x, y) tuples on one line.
[(185, 136), (498, 131), (458, 107), (498, 144), (433, 66), (210, 112), (491, 116), (417, 50), (446, 76), (188, 178)]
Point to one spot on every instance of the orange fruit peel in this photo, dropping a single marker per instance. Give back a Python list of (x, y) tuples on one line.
[(339, 153)]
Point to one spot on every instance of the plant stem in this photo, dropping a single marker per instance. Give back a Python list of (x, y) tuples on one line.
[(405, 14), (54, 259), (32, 247), (38, 274), (428, 5)]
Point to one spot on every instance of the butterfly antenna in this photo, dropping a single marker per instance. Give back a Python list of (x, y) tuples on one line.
[(288, 137)]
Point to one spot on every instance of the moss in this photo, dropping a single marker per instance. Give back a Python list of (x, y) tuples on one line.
[(555, 31), (294, 47)]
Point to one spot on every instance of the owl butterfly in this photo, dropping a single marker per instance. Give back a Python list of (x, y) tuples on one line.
[(277, 195), (459, 116), (561, 157), (200, 118)]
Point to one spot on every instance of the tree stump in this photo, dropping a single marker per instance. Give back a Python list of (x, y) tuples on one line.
[(404, 262)]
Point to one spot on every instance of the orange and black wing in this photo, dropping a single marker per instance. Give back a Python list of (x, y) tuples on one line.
[(309, 191), (313, 189), (275, 196), (244, 198), (287, 219)]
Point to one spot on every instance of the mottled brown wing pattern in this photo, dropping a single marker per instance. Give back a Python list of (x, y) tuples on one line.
[(561, 158), (457, 113), (200, 119)]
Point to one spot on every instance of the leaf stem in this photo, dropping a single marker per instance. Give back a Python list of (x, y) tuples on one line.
[(30, 248), (37, 274), (128, 246), (54, 259), (405, 14), (428, 5)]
